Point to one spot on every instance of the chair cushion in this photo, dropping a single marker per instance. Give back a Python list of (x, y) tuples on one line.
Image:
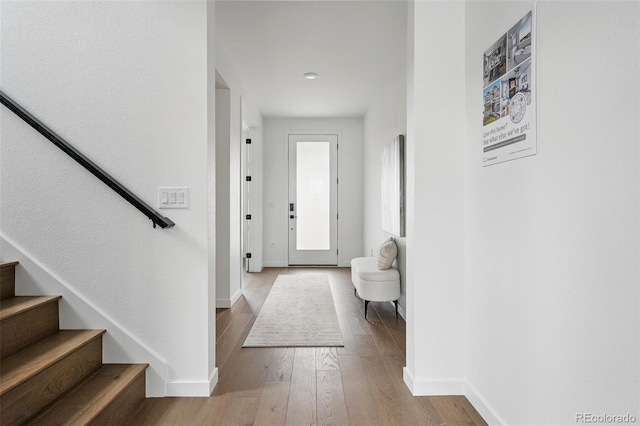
[(387, 254), (366, 268), (373, 284)]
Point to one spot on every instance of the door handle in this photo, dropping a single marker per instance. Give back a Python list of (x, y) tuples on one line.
[(292, 216)]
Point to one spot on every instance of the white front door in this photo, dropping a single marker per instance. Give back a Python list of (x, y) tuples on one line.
[(313, 199)]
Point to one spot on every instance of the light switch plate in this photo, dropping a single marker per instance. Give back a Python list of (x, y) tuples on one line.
[(173, 198)]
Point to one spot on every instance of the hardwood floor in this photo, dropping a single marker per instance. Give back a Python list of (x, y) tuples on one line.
[(359, 384)]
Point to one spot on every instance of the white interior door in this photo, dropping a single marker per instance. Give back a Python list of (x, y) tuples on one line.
[(313, 199)]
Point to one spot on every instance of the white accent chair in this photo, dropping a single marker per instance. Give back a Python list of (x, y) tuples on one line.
[(373, 284)]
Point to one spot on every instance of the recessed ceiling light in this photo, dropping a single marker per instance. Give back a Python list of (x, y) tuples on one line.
[(310, 75)]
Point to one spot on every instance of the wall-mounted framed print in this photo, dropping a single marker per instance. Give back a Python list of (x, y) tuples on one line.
[(392, 187), (509, 120)]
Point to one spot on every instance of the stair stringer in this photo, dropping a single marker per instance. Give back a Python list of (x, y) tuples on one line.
[(77, 312)]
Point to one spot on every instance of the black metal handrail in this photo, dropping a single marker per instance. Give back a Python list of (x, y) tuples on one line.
[(158, 219)]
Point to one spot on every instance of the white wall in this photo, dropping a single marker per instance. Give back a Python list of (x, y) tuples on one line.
[(118, 343), (552, 242), (435, 199), (126, 83), (227, 217), (276, 183), (211, 191), (386, 118), (240, 108)]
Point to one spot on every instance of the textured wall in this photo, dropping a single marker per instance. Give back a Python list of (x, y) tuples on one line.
[(126, 83), (552, 242)]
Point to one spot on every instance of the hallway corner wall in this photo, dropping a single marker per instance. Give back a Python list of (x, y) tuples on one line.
[(125, 83), (386, 118), (435, 199), (553, 312), (237, 107)]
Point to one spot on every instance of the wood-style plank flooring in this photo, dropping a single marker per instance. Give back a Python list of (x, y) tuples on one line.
[(359, 384)]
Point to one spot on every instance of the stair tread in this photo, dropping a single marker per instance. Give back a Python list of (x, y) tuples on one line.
[(18, 304), (32, 360), (8, 264), (89, 398)]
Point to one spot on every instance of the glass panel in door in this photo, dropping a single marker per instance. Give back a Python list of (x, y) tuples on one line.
[(313, 190), (313, 199)]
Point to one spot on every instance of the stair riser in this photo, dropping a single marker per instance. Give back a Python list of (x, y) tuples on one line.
[(110, 396), (19, 331), (125, 405), (7, 282), (25, 400)]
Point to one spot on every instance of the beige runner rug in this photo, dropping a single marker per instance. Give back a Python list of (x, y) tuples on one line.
[(299, 311)]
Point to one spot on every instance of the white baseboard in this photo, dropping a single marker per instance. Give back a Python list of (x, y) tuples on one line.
[(227, 303), (235, 297), (257, 268), (280, 264), (275, 264), (482, 406), (401, 310), (193, 388), (432, 387), (76, 312), (453, 387), (213, 380), (408, 379)]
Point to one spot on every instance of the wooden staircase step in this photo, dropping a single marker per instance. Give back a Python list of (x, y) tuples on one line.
[(25, 320), (50, 376), (19, 304), (7, 279), (41, 355), (111, 395), (38, 374)]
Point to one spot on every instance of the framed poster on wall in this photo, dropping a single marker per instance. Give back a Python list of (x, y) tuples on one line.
[(392, 187), (509, 118)]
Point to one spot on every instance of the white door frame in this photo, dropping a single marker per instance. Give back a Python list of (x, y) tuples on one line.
[(338, 136), (246, 196), (254, 240)]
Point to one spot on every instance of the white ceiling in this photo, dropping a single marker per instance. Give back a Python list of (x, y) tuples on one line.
[(355, 47)]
